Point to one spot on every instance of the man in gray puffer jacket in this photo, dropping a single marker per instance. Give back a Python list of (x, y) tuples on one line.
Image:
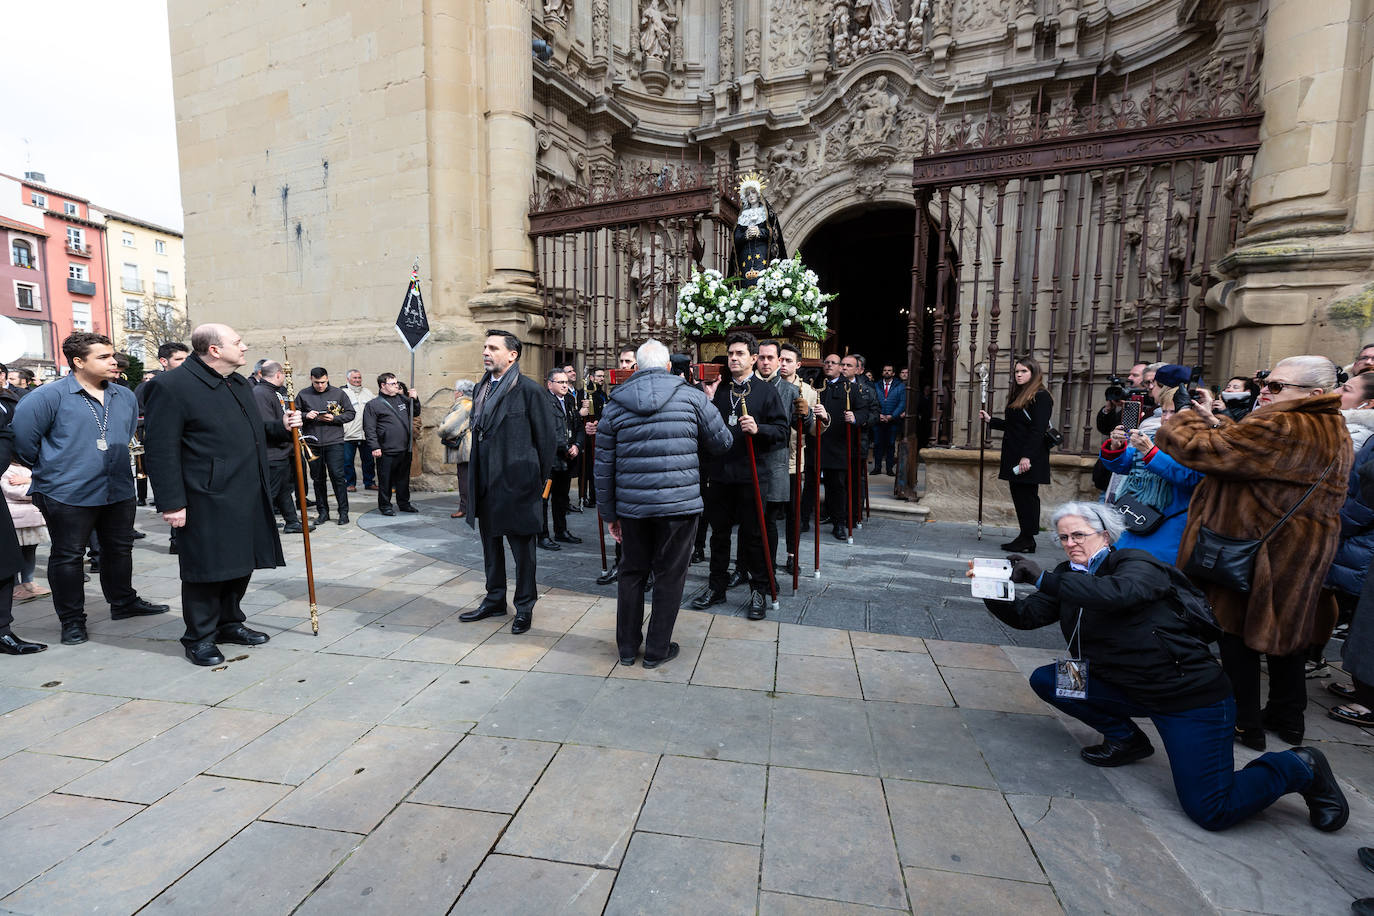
[(648, 487)]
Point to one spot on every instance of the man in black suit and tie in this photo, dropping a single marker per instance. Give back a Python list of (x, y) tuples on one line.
[(514, 435), (567, 456)]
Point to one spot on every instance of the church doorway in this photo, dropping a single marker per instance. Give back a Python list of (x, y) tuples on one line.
[(864, 258)]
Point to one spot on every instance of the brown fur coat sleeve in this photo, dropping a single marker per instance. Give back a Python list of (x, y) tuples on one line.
[(1257, 469)]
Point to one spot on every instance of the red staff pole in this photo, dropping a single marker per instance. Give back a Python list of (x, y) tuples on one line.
[(848, 467), (796, 505), (758, 504), (868, 508), (816, 460)]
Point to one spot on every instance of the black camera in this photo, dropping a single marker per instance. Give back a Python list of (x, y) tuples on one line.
[(1261, 375), (1119, 389)]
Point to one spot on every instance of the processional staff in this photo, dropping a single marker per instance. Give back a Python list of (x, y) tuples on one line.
[(288, 403)]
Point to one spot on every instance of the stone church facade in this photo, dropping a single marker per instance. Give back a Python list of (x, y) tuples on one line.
[(326, 146)]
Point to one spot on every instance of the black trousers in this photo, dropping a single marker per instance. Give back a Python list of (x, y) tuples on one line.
[(729, 505), (332, 461), (494, 562), (702, 528), (884, 444), (1025, 497), (662, 546), (773, 514), (837, 497), (280, 479), (7, 602), (1287, 685), (209, 607), (558, 497), (70, 528), (393, 472)]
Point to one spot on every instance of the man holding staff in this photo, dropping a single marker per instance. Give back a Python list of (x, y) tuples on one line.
[(206, 452)]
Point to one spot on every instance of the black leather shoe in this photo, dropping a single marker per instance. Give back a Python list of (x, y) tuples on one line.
[(840, 533), (548, 544), (707, 598), (566, 538), (673, 650), (95, 565), (483, 612), (698, 556), (321, 518), (139, 608), (758, 606), (609, 575), (1253, 738), (172, 547), (408, 509), (295, 528), (1112, 753), (240, 635), (1327, 808), (627, 660), (521, 623), (737, 578), (74, 634), (13, 645), (1366, 856), (1020, 545), (343, 519), (1287, 734), (387, 511), (649, 583), (574, 507), (139, 535), (1362, 907), (204, 653)]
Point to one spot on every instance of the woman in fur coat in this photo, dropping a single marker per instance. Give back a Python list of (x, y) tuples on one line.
[(1256, 470)]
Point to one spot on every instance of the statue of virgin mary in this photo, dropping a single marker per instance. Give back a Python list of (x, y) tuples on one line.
[(758, 235)]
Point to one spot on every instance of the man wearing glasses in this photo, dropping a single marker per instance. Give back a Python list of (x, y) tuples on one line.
[(1258, 469), (389, 434), (1365, 361)]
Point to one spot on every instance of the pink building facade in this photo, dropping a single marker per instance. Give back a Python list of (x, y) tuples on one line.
[(25, 292)]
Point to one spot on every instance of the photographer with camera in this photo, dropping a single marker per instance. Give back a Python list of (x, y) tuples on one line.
[(1119, 391), (1132, 625)]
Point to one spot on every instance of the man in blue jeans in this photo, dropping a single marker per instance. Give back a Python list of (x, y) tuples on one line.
[(355, 444), (75, 435)]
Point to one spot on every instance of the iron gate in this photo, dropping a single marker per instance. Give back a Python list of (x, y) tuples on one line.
[(611, 259), (1082, 236)]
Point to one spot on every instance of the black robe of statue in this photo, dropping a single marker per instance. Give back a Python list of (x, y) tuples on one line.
[(748, 257)]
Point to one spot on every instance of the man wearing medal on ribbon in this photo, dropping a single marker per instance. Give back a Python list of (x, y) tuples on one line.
[(758, 234), (751, 408), (75, 435)]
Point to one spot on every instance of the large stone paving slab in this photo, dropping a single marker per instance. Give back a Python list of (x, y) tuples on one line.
[(670, 874), (827, 835), (822, 733), (25, 776), (40, 835), (505, 883), (121, 729), (486, 774), (938, 892), (1034, 755), (929, 743), (291, 752), (952, 828), (137, 861), (541, 707), (708, 799), (723, 724), (417, 862), (583, 808)]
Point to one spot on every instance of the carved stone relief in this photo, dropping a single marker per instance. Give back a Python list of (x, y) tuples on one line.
[(789, 166), (789, 34), (1157, 232), (751, 50), (656, 21), (727, 39), (601, 28), (558, 9), (861, 27), (974, 15)]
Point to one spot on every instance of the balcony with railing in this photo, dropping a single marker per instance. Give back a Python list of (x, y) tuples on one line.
[(78, 249), (133, 321), (80, 287), (131, 284), (164, 290)]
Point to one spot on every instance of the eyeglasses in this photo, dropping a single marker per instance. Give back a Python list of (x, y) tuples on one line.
[(1274, 386), (1077, 537)]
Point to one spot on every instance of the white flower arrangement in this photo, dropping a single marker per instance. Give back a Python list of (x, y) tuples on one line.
[(786, 296)]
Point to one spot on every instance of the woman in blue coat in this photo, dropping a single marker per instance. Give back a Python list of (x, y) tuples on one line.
[(1153, 479)]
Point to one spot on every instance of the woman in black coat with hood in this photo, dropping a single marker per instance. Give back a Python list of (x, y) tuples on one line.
[(1025, 451)]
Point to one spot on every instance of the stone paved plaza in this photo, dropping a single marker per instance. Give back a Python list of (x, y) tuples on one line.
[(404, 762)]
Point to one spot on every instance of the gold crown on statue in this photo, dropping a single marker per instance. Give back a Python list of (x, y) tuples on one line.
[(752, 180)]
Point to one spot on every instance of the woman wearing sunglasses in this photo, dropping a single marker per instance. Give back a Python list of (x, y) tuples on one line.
[(1257, 470), (1133, 653)]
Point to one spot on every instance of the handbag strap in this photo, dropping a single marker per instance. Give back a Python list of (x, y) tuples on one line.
[(1310, 490)]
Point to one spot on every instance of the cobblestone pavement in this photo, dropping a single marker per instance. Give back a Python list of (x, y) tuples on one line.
[(404, 762)]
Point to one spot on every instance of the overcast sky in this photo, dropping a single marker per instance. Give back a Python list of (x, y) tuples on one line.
[(88, 83)]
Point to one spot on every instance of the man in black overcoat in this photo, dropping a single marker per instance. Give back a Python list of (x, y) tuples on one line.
[(11, 557), (849, 403), (567, 456), (514, 434), (206, 452)]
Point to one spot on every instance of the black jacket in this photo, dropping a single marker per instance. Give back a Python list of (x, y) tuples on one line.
[(326, 432), (268, 397), (1023, 436), (765, 406), (570, 432), (387, 423), (513, 443), (864, 405), (206, 452), (1131, 633), (11, 557)]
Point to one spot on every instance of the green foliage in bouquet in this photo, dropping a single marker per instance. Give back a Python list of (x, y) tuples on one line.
[(785, 298)]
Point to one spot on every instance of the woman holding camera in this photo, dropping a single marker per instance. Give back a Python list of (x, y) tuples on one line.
[(1025, 463), (1257, 470), (1133, 653)]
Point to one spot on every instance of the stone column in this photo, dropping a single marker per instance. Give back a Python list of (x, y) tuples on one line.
[(510, 155)]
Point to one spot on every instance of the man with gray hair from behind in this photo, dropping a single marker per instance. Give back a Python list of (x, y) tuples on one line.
[(648, 487)]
